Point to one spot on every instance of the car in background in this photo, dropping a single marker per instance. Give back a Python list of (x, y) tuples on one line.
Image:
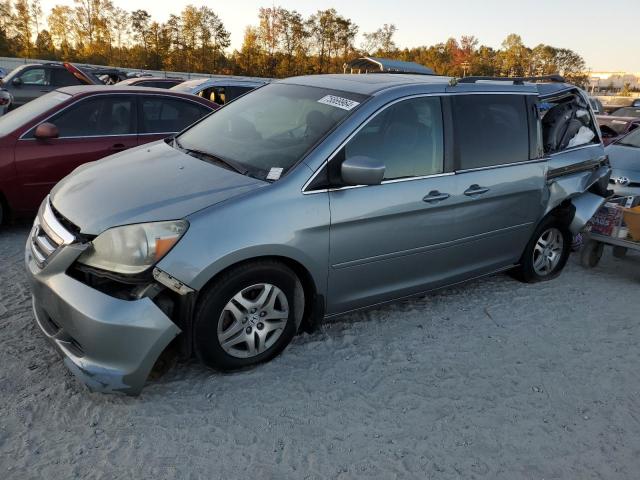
[(221, 89), (3, 73), (5, 101), (46, 139), (155, 82), (596, 106), (28, 82), (614, 127), (624, 157), (626, 112)]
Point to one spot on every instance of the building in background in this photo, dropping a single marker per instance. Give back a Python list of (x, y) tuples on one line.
[(614, 82)]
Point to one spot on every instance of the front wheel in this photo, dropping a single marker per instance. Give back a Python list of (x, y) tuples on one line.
[(547, 252), (248, 316)]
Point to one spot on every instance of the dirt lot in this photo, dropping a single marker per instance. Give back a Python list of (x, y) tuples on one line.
[(491, 380)]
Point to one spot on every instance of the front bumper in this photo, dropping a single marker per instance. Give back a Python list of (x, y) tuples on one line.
[(110, 344)]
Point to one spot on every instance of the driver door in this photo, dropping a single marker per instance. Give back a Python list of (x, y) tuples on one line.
[(90, 129)]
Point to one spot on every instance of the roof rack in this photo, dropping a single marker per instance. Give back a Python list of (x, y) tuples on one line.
[(516, 80)]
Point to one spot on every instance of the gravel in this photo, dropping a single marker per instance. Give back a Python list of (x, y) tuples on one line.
[(494, 379)]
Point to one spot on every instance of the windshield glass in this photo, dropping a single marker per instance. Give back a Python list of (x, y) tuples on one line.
[(269, 130), (631, 140), (626, 112), (15, 118)]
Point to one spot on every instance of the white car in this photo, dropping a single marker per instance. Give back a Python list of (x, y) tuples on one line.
[(5, 100)]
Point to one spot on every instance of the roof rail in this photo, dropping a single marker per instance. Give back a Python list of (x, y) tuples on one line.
[(516, 80)]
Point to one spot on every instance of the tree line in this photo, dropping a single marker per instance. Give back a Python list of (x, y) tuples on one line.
[(281, 43)]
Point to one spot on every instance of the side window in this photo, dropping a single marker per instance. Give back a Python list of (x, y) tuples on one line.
[(35, 76), (407, 137), (490, 130), (97, 117), (61, 77), (168, 115)]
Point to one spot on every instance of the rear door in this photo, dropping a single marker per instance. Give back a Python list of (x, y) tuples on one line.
[(90, 129), (34, 82), (161, 116), (500, 174)]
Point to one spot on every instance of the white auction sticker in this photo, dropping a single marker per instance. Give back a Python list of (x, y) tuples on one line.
[(340, 102), (274, 173)]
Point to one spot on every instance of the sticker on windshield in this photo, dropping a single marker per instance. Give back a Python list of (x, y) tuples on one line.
[(274, 173), (340, 102)]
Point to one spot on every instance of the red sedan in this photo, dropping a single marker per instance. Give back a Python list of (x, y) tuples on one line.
[(44, 140)]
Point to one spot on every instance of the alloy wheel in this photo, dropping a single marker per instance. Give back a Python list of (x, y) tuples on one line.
[(253, 320), (548, 251)]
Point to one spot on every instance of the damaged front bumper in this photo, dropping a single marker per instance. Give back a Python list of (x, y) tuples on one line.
[(109, 343)]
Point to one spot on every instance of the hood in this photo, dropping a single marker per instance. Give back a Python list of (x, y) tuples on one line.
[(624, 158), (150, 183)]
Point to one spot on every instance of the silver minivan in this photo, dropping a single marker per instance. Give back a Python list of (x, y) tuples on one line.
[(308, 198)]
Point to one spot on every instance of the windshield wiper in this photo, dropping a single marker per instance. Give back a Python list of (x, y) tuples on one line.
[(208, 157)]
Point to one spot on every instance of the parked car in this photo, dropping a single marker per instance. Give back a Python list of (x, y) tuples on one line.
[(626, 112), (614, 127), (221, 89), (624, 155), (596, 106), (156, 82), (611, 104), (5, 101), (28, 82), (46, 139), (308, 198), (3, 73)]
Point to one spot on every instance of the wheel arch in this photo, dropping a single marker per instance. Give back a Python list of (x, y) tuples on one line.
[(313, 300)]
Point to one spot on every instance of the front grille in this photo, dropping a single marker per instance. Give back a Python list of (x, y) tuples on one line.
[(48, 235)]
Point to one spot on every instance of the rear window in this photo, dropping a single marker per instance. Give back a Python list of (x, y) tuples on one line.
[(169, 115), (490, 130)]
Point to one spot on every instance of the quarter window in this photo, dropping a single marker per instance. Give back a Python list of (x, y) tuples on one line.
[(407, 137), (168, 115), (490, 130), (97, 117)]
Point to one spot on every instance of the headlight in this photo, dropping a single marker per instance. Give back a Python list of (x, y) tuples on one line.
[(133, 248)]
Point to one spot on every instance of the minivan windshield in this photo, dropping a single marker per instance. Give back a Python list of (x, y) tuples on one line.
[(18, 117), (267, 131)]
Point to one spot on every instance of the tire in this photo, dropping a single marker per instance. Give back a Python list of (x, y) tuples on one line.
[(230, 331), (544, 261), (591, 254), (619, 252)]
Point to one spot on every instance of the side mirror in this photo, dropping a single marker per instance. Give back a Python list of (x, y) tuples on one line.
[(16, 82), (361, 170), (46, 131)]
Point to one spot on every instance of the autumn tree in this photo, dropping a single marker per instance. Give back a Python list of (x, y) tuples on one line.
[(380, 42)]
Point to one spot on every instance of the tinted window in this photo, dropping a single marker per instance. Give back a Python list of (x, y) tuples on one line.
[(490, 130), (27, 112), (235, 92), (168, 115), (35, 76), (97, 116), (407, 137), (63, 78)]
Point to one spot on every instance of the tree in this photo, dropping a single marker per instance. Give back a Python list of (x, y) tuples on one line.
[(381, 41), (514, 57), (22, 25), (140, 25), (36, 14), (44, 46), (248, 58)]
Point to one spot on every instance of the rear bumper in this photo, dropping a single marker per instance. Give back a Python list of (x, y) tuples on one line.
[(110, 344)]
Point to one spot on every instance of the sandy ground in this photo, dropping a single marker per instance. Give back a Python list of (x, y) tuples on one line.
[(494, 379)]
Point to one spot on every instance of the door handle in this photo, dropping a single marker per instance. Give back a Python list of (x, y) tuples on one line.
[(435, 196), (118, 146), (475, 189)]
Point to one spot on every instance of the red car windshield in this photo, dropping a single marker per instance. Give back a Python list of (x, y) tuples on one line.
[(18, 117)]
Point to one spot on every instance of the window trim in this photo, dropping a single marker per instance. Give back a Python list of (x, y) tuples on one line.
[(135, 95), (449, 140), (83, 99)]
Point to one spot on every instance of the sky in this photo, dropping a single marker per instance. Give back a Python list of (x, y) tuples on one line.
[(605, 36)]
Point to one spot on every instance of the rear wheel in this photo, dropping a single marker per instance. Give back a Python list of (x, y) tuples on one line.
[(248, 316), (547, 252)]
